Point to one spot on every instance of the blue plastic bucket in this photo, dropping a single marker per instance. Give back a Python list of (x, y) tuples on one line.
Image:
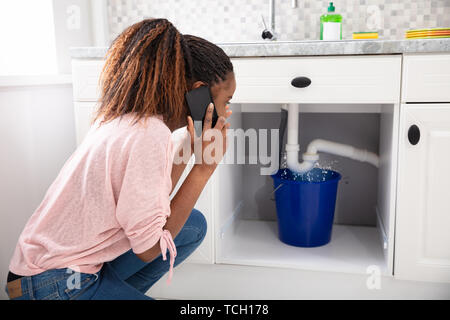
[(305, 206)]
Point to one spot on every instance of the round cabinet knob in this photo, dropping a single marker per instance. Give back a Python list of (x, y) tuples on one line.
[(414, 134), (301, 82), (266, 34)]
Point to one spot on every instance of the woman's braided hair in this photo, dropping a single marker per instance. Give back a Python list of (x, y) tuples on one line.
[(149, 68)]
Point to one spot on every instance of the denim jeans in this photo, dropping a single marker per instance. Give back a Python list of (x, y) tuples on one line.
[(125, 278)]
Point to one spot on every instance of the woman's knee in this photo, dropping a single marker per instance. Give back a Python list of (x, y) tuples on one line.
[(197, 221)]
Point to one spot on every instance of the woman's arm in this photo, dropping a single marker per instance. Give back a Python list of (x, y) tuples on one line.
[(181, 207), (177, 171), (186, 197)]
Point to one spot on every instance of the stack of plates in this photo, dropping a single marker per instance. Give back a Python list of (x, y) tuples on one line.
[(428, 33)]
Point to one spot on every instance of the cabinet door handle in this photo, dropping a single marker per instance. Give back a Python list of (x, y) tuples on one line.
[(414, 134), (301, 82)]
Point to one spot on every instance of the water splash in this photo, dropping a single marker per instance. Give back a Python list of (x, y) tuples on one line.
[(283, 161), (317, 174), (323, 170)]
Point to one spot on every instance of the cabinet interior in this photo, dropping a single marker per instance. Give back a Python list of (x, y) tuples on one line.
[(246, 226)]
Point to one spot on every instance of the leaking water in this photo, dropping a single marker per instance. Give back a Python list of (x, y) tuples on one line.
[(316, 174), (323, 170)]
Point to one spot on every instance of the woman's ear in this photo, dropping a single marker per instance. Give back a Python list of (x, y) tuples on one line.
[(198, 84)]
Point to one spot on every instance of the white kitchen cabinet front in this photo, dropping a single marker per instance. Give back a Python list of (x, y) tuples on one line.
[(333, 79), (426, 78), (422, 238), (413, 194)]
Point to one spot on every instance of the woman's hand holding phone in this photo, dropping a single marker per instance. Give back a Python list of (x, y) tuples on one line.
[(205, 142)]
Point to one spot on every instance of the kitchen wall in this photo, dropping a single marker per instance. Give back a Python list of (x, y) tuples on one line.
[(73, 27), (240, 20)]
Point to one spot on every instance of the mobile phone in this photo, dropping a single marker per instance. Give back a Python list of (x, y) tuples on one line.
[(198, 101)]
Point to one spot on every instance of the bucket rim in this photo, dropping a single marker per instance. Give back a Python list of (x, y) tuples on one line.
[(276, 177)]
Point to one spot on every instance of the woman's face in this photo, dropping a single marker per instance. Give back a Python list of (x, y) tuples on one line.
[(222, 93)]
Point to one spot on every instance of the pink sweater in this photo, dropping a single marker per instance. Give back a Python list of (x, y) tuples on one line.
[(111, 195)]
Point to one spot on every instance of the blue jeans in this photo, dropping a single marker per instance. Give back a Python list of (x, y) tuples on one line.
[(125, 278)]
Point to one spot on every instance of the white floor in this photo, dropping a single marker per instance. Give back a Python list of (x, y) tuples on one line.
[(224, 281), (255, 264)]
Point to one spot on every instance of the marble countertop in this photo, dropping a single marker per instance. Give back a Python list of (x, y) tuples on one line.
[(306, 48)]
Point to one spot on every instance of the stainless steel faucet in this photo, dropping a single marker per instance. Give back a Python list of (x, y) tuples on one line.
[(272, 16), (270, 34)]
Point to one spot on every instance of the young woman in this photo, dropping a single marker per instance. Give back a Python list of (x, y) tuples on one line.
[(106, 222)]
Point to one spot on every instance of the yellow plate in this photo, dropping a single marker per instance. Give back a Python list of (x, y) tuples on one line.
[(427, 34), (428, 30), (430, 37), (436, 33)]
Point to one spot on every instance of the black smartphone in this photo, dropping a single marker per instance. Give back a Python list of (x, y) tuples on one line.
[(198, 101)]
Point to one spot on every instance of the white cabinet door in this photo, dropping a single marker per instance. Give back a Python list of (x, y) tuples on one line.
[(422, 238), (83, 114)]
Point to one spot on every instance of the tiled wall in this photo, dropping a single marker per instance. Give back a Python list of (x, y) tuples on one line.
[(240, 20)]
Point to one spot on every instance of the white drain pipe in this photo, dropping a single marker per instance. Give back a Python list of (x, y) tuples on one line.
[(318, 145), (342, 150), (292, 147)]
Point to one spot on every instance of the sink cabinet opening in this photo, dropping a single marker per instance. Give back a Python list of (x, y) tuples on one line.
[(246, 229)]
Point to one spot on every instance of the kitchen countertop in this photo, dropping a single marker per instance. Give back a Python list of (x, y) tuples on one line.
[(306, 48)]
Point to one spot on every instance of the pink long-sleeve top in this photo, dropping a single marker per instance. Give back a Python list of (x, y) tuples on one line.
[(111, 195)]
